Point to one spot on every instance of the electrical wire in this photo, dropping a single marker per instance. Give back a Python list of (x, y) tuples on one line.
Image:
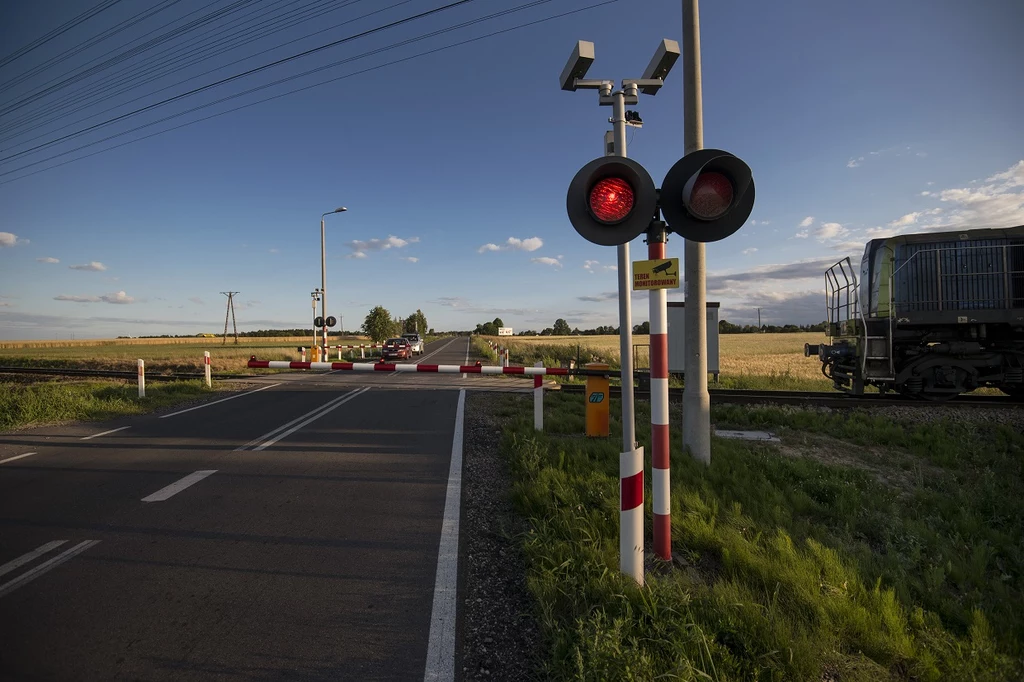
[(63, 28), (229, 79), (164, 63), (292, 92)]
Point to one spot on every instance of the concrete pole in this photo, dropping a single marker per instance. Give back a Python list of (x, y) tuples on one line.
[(142, 378), (696, 400), (206, 369), (631, 459)]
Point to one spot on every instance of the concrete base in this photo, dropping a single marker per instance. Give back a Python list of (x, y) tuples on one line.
[(749, 435)]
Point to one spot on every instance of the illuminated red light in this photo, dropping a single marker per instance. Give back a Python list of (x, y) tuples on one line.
[(711, 196), (611, 200)]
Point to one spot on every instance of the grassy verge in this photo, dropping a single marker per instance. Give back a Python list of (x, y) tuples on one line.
[(861, 549), (48, 402)]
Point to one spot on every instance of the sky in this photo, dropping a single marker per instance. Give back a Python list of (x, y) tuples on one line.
[(125, 214)]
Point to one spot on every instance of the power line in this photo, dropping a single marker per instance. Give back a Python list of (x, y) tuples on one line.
[(63, 28), (103, 90), (292, 92), (229, 79)]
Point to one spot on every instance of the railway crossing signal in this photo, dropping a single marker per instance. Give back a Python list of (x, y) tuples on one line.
[(706, 196), (611, 200)]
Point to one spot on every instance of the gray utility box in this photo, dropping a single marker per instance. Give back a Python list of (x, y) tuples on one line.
[(677, 336)]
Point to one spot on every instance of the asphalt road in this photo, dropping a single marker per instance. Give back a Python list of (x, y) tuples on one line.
[(292, 532)]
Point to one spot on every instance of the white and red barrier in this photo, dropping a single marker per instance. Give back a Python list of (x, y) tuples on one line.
[(439, 369), (538, 400)]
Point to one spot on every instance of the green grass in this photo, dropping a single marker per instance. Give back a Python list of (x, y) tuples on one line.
[(898, 554), (48, 402)]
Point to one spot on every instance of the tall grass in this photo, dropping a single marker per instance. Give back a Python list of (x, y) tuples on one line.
[(797, 570)]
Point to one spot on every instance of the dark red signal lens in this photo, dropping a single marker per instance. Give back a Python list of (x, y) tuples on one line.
[(711, 196), (611, 200)]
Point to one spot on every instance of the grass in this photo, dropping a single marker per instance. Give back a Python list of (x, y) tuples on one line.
[(45, 402), (863, 548)]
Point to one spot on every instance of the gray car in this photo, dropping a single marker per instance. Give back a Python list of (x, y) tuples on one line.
[(415, 341)]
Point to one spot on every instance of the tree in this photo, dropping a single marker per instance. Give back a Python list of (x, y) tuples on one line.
[(419, 322), (643, 328), (497, 323), (561, 328), (378, 325)]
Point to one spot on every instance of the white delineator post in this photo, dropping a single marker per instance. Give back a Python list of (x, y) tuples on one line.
[(206, 368), (303, 351), (660, 449), (142, 378), (538, 400)]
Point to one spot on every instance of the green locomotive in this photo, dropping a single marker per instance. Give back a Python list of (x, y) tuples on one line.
[(929, 315)]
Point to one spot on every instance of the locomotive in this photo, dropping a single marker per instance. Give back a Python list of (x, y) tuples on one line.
[(929, 315)]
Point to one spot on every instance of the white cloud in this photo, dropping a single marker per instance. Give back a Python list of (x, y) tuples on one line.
[(77, 299), (807, 222), (197, 300), (9, 239), (829, 231), (545, 260), (926, 193), (5, 304), (359, 247), (747, 252), (908, 219), (593, 266), (849, 247), (853, 163), (119, 297), (802, 234), (94, 266), (412, 259), (514, 244), (48, 260)]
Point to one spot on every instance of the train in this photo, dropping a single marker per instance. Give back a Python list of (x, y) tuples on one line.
[(930, 315)]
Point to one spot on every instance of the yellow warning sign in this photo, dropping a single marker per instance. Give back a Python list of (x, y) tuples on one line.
[(656, 274)]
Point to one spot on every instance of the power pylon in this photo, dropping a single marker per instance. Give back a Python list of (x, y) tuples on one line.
[(230, 312)]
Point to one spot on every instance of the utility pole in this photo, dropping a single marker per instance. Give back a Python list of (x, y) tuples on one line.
[(230, 312), (696, 399), (758, 319)]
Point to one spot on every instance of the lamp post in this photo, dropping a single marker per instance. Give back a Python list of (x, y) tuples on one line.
[(323, 275)]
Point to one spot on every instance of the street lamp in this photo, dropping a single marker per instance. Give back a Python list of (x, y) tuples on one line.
[(323, 274)]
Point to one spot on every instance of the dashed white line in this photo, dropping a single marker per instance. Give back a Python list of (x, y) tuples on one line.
[(42, 568), (316, 416), (104, 433), (179, 485), (441, 641), (11, 459), (30, 556), (222, 400)]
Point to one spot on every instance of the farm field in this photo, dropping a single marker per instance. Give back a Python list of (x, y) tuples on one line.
[(160, 355), (746, 360)]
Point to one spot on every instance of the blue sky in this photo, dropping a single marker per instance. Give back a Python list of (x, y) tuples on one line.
[(858, 120)]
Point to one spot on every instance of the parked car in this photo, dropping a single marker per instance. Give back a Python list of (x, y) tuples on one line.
[(396, 349), (415, 341)]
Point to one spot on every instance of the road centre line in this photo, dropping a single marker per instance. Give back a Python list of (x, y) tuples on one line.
[(294, 421), (321, 413), (11, 459), (30, 556), (173, 489), (104, 433), (42, 568), (467, 357), (441, 641), (222, 400)]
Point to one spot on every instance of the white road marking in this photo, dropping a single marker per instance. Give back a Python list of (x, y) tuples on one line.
[(467, 355), (327, 406), (42, 568), (179, 485), (441, 641), (222, 400), (321, 413), (11, 459), (30, 556), (104, 433)]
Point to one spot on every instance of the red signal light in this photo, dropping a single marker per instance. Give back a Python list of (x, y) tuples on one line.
[(611, 200), (711, 195)]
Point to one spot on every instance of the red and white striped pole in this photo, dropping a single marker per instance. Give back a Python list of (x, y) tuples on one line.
[(631, 513), (303, 351), (206, 369), (538, 400), (659, 403)]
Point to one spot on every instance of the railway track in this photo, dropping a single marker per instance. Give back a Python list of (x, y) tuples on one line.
[(818, 398), (114, 374)]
